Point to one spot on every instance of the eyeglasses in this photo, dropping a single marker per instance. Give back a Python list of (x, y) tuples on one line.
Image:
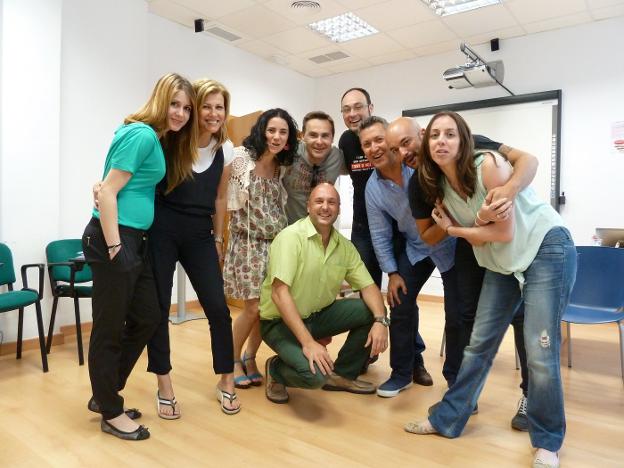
[(356, 107), (315, 179)]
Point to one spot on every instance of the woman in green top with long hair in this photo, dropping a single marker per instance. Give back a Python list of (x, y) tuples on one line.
[(125, 305)]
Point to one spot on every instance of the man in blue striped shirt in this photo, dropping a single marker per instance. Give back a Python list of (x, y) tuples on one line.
[(387, 200)]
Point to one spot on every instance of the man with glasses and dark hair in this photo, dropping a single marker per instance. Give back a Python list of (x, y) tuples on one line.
[(356, 106), (316, 161)]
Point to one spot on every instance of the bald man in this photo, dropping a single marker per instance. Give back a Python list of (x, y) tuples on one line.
[(404, 139), (308, 262)]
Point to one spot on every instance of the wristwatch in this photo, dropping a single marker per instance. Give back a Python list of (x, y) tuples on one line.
[(385, 321)]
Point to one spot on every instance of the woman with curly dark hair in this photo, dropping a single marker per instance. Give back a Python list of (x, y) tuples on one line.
[(256, 199)]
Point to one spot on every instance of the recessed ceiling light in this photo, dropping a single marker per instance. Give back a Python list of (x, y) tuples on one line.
[(343, 28), (450, 7)]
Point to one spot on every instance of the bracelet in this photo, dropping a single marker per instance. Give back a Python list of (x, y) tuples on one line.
[(111, 247), (219, 239), (482, 220)]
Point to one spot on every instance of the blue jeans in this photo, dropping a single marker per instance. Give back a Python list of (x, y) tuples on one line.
[(546, 292)]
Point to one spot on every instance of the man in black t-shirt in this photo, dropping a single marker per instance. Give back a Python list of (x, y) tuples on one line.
[(404, 137), (355, 106)]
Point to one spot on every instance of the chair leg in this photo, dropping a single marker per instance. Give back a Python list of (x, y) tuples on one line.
[(51, 328), (443, 345), (621, 327), (44, 355), (78, 332), (569, 344), (20, 329)]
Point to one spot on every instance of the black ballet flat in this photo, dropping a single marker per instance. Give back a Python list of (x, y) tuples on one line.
[(141, 433), (132, 413)]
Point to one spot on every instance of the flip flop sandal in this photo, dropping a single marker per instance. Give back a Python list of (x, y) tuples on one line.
[(132, 413), (256, 377), (222, 396), (166, 402), (242, 381)]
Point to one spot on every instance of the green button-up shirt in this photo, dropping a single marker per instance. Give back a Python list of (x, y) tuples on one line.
[(313, 273)]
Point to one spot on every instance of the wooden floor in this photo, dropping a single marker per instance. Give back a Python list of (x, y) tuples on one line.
[(44, 420)]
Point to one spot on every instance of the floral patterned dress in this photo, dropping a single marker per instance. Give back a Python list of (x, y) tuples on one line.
[(252, 228)]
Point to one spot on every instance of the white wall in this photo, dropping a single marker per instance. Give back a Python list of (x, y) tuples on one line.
[(29, 147), (584, 62)]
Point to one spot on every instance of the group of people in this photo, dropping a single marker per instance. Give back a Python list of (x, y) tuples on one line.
[(423, 198)]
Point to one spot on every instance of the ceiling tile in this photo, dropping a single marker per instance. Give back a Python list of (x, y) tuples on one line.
[(213, 9), (353, 5), (557, 23), (297, 40), (395, 14), (505, 33), (594, 4), (480, 21), (531, 11), (392, 57), (257, 21), (376, 44), (345, 65), (261, 48), (438, 48), (328, 9), (422, 34), (608, 12), (173, 12)]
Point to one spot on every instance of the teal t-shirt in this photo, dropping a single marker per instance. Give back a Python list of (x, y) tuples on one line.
[(136, 149)]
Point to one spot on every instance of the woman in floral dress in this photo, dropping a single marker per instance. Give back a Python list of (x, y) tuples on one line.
[(256, 199)]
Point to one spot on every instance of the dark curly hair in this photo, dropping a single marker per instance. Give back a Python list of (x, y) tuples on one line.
[(430, 175), (256, 142)]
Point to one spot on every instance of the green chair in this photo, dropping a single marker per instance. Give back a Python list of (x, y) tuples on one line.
[(18, 300), (67, 278)]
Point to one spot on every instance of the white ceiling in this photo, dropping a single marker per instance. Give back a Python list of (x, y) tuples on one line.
[(407, 28)]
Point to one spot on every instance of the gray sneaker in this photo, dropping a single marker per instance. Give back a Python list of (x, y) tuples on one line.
[(520, 422), (275, 392)]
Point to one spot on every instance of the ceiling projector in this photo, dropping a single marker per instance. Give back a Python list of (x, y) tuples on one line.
[(475, 75)]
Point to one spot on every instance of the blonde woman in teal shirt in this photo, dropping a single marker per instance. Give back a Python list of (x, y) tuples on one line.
[(529, 258), (125, 305)]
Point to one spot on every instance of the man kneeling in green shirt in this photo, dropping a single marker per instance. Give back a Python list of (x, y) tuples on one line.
[(308, 262)]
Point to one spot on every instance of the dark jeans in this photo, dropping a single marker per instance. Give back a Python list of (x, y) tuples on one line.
[(406, 344), (361, 239), (188, 239), (292, 367), (125, 312), (469, 282)]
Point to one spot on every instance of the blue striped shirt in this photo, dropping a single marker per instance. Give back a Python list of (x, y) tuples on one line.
[(385, 201)]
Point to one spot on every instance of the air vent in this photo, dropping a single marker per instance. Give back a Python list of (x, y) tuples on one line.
[(222, 33), (332, 56), (305, 5)]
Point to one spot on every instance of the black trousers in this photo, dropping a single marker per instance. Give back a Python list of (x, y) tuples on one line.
[(189, 239), (469, 282), (125, 312)]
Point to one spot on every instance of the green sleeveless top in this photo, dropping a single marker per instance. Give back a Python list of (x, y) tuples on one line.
[(533, 218)]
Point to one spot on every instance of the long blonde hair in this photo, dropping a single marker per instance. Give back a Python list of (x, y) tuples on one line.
[(180, 147), (203, 88)]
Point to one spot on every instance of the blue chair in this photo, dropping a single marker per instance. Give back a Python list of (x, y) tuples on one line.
[(18, 300), (598, 294)]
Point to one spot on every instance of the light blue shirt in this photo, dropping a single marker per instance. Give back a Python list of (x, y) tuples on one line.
[(386, 201)]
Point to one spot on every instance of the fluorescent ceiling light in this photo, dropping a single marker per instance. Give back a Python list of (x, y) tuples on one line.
[(450, 7), (343, 28)]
